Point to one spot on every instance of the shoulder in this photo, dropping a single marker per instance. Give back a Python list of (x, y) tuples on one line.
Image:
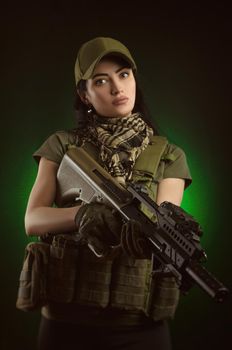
[(170, 151), (176, 164), (173, 160), (173, 152), (56, 145), (63, 137)]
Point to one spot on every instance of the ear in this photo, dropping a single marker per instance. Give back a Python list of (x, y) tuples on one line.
[(83, 97)]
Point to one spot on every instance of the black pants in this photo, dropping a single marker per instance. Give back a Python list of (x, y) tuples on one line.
[(55, 335)]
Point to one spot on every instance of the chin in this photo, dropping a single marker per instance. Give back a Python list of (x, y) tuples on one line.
[(122, 114), (117, 113)]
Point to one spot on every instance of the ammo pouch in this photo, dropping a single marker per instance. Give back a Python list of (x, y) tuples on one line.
[(93, 285), (62, 269), (33, 277), (48, 273), (164, 296)]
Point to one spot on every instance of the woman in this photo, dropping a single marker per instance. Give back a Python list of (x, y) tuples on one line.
[(114, 303)]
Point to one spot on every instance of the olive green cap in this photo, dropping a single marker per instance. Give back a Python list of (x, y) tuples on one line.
[(91, 53)]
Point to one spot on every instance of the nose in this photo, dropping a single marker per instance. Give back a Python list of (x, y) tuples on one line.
[(116, 88)]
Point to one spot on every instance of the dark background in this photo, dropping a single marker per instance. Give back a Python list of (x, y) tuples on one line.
[(184, 64)]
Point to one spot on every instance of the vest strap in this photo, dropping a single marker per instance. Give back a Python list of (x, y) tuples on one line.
[(149, 160)]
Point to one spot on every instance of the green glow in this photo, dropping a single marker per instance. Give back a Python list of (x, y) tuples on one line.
[(199, 197), (26, 178)]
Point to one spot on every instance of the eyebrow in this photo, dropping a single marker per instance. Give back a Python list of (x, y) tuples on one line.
[(106, 74)]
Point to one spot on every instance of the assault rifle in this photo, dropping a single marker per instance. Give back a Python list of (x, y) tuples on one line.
[(174, 237)]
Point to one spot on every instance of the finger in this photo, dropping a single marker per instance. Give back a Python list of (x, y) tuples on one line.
[(132, 238), (97, 246), (128, 240), (89, 228), (85, 223), (138, 238), (124, 243)]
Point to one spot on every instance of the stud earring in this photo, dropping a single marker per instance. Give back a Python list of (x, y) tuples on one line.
[(90, 109)]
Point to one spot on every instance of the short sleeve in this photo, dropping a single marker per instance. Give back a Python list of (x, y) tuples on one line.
[(176, 165), (55, 146)]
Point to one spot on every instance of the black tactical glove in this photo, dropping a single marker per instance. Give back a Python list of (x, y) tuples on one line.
[(133, 241), (99, 226)]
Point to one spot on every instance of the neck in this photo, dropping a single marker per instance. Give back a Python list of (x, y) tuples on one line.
[(112, 120)]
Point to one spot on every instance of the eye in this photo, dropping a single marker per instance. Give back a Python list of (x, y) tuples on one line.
[(124, 74), (100, 81)]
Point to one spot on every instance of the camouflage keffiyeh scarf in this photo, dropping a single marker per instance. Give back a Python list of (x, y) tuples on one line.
[(121, 140)]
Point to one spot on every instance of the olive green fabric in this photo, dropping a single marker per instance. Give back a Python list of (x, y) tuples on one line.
[(55, 146), (94, 280), (49, 272), (93, 51), (164, 296), (172, 165), (32, 281)]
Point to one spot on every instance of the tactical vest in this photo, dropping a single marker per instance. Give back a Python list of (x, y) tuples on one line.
[(123, 283)]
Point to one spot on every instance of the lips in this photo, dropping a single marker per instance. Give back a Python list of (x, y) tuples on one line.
[(120, 101)]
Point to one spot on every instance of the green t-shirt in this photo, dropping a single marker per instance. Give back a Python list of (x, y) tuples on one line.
[(174, 164)]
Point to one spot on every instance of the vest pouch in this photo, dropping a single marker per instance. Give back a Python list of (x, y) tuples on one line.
[(33, 277), (129, 283), (93, 279), (164, 296), (62, 268)]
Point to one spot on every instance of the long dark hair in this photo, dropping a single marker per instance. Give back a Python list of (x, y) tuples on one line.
[(83, 117)]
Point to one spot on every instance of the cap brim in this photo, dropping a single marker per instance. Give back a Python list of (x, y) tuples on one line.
[(89, 73)]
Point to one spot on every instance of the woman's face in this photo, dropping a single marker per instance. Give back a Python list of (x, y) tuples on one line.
[(111, 90)]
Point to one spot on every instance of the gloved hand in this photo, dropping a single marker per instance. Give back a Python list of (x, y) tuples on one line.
[(99, 226), (133, 242)]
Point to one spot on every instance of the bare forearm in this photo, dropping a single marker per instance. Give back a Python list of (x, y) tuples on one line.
[(42, 220), (171, 190)]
